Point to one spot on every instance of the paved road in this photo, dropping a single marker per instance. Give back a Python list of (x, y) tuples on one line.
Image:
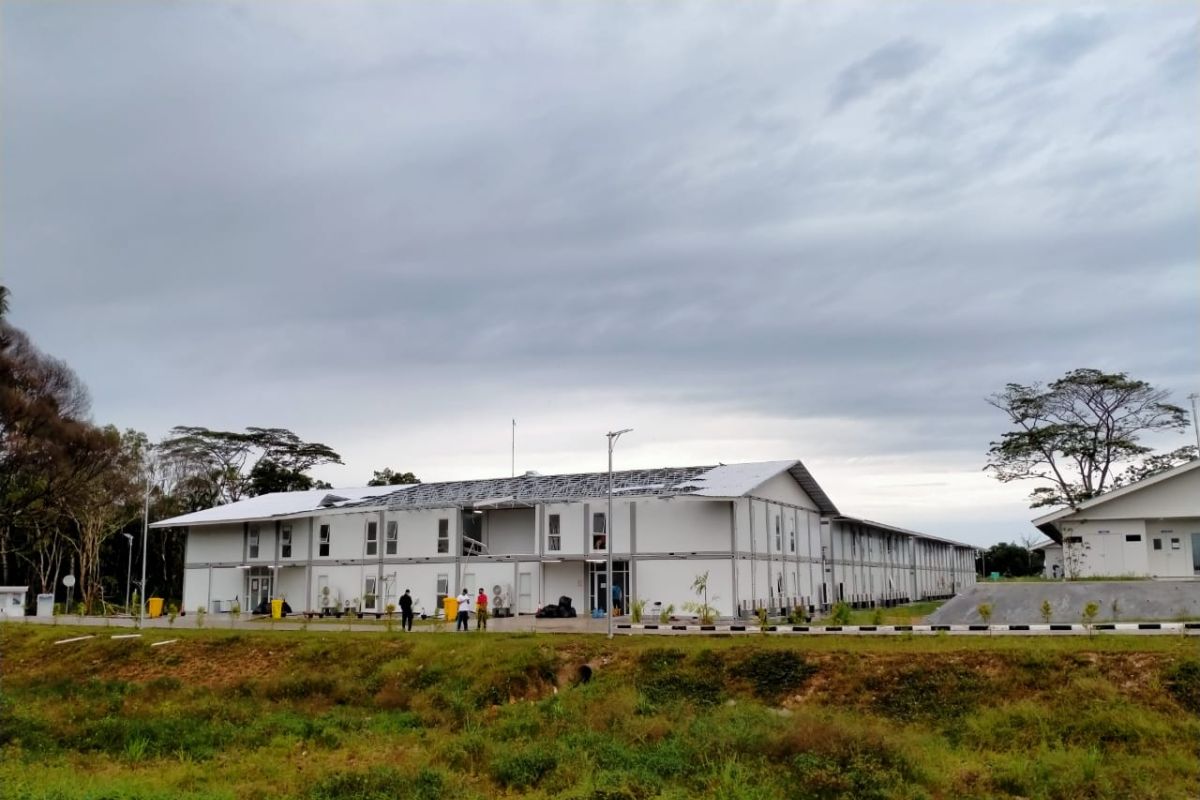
[(225, 622)]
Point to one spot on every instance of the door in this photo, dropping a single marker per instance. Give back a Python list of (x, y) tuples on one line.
[(525, 593), (1196, 553), (370, 597), (599, 597), (260, 591)]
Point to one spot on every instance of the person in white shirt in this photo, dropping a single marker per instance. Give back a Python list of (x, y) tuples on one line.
[(464, 608)]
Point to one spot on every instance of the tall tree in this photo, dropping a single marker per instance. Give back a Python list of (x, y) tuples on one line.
[(388, 477), (104, 505), (214, 467), (1077, 432), (48, 448)]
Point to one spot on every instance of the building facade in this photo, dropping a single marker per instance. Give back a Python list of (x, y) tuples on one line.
[(765, 534), (1147, 529)]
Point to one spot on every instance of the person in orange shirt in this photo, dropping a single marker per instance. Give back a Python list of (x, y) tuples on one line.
[(481, 610)]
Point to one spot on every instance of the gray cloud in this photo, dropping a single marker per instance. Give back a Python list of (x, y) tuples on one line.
[(392, 228), (894, 62)]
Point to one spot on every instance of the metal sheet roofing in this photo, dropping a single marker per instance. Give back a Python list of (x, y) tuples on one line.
[(722, 480)]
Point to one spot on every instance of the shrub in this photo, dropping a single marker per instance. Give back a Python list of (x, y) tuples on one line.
[(523, 768), (664, 616), (636, 608), (841, 613), (380, 783), (764, 621), (877, 617), (1046, 611), (774, 673), (1183, 682), (985, 613)]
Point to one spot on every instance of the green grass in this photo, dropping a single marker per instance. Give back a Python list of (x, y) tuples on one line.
[(323, 715), (907, 614)]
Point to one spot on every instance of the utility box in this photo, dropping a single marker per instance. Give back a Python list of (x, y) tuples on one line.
[(12, 601), (45, 605)]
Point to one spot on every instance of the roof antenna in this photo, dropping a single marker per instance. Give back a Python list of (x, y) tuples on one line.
[(514, 448)]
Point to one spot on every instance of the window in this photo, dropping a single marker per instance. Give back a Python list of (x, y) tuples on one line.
[(791, 540), (252, 548), (1174, 543), (1133, 537), (1158, 544), (372, 538), (778, 535), (443, 536), (554, 535), (393, 537), (1073, 540), (285, 541), (443, 587), (323, 542), (599, 531)]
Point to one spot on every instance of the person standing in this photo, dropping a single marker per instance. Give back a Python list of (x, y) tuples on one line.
[(462, 622), (481, 610), (406, 611)]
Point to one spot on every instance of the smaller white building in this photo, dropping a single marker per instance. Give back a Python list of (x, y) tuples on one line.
[(12, 600), (1052, 564), (1146, 529)]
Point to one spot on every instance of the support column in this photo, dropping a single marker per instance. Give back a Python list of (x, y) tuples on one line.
[(308, 565), (753, 557), (733, 553)]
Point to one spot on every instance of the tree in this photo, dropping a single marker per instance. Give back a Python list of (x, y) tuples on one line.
[(106, 503), (213, 467), (1076, 433), (387, 477), (1011, 559), (48, 448)]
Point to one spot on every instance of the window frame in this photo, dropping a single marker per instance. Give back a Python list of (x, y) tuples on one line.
[(253, 542), (600, 537), (443, 536), (323, 541), (554, 533), (285, 541), (1133, 537), (391, 541), (371, 547), (1158, 543)]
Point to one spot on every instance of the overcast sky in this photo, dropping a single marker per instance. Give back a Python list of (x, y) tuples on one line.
[(749, 231)]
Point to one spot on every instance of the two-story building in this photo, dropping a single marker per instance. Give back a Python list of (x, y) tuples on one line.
[(765, 533)]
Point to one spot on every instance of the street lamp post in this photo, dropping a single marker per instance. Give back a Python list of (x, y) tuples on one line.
[(128, 568), (608, 528), (145, 539), (1195, 421)]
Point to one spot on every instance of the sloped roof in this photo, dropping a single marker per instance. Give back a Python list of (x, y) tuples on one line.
[(1046, 524), (276, 504), (723, 480), (870, 523)]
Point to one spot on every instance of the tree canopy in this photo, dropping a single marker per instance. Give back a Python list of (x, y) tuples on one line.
[(1078, 433), (213, 467), (388, 477)]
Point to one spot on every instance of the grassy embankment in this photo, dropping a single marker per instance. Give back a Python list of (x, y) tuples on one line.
[(327, 716)]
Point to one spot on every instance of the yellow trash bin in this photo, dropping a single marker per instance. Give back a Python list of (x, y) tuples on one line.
[(276, 609), (450, 605), (155, 606)]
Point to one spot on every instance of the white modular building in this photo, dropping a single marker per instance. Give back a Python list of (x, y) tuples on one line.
[(765, 533), (1148, 529)]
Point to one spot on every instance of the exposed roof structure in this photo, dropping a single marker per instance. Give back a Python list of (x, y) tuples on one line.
[(904, 531), (276, 504), (1047, 523), (721, 481)]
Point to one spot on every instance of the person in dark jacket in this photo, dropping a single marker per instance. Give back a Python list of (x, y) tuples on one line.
[(406, 611)]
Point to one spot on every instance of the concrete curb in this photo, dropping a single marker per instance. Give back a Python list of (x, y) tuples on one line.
[(1144, 628)]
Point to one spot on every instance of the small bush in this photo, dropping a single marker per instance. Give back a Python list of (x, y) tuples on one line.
[(380, 783), (774, 673), (524, 768), (841, 613), (1183, 682)]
